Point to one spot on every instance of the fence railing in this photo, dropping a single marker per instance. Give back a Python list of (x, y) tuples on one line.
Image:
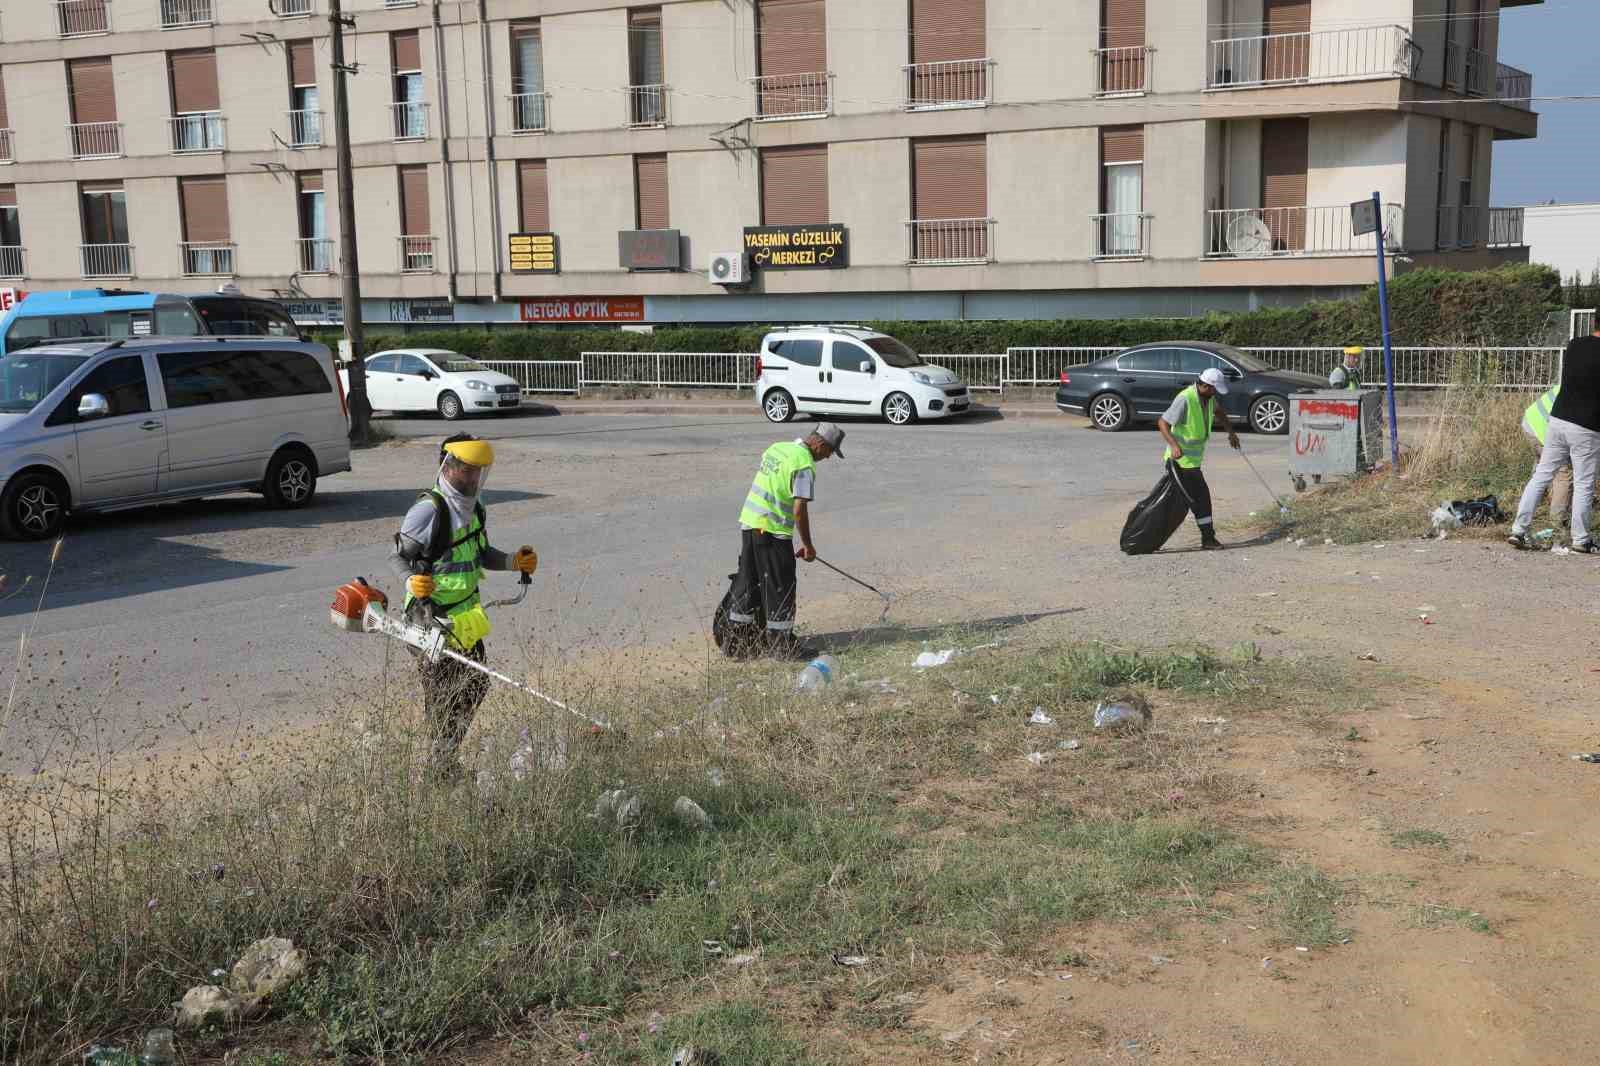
[(669, 369), (530, 112), (785, 96), (176, 14), (647, 106), (1583, 322), (199, 131), (1506, 227), (1513, 87), (95, 140), (107, 260), (948, 84), (305, 129), (416, 255), (13, 261), (315, 255), (980, 373), (1121, 70), (410, 119), (552, 375), (80, 18), (1320, 56), (207, 259), (1476, 79), (1265, 232), (1121, 236), (1461, 226), (949, 241), (5, 146)]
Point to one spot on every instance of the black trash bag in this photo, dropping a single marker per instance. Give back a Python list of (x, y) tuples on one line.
[(1154, 519), (1483, 511), (737, 640)]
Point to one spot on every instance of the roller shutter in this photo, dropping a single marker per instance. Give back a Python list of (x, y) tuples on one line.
[(194, 81), (533, 195), (1285, 155), (949, 180), (311, 181), (204, 202), (945, 30), (1122, 144), (650, 175), (1122, 27), (5, 122), (405, 51), (792, 56), (93, 94), (1286, 57), (794, 185), (302, 63), (414, 217), (8, 196)]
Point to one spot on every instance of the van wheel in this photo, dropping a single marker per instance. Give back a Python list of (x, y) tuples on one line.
[(34, 506), (777, 406), (291, 479), (449, 406), (899, 409)]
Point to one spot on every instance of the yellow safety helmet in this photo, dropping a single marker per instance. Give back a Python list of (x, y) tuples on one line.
[(469, 450)]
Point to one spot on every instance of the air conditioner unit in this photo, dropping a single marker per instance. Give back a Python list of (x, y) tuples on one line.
[(730, 268)]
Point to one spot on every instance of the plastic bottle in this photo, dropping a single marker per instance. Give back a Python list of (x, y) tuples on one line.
[(817, 674), (158, 1049)]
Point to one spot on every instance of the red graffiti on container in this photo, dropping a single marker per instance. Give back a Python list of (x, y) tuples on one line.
[(1309, 443), (1342, 408)]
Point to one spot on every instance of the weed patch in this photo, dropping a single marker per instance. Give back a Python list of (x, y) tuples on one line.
[(1409, 839)]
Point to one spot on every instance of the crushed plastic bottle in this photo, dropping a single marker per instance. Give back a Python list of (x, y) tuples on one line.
[(158, 1049), (817, 674), (1121, 713)]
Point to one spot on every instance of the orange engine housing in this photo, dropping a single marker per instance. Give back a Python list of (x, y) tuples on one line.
[(350, 602)]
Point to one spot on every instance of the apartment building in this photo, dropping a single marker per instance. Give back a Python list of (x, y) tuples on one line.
[(755, 160)]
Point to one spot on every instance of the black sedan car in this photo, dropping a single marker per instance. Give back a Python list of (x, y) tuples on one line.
[(1141, 382)]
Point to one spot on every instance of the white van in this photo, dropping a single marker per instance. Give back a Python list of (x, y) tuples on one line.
[(101, 426), (843, 370)]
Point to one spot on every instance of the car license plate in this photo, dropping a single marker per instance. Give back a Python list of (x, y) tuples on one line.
[(510, 401)]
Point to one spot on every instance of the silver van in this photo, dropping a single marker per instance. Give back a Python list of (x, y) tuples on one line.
[(101, 426)]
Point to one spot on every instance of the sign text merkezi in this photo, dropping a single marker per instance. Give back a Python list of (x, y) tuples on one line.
[(823, 247)]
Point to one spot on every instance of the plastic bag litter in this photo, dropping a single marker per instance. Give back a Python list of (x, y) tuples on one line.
[(934, 658), (1038, 717), (1120, 713), (1482, 511), (1445, 519)]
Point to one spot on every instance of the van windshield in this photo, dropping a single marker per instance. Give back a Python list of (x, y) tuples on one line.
[(25, 380), (893, 352)]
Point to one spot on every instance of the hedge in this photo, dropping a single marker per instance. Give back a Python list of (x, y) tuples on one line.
[(1511, 305)]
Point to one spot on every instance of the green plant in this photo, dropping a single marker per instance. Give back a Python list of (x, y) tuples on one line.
[(1419, 838)]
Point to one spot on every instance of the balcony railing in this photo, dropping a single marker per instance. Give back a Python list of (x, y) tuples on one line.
[(315, 255), (416, 255), (176, 14), (786, 96), (1513, 87), (1477, 73), (107, 260), (647, 106), (1268, 232), (1461, 226), (13, 262), (95, 140), (5, 146), (1121, 236), (949, 241), (207, 259), (305, 129), (1505, 227), (950, 84), (1118, 71), (1321, 56), (530, 112), (410, 119), (81, 18), (199, 131), (292, 9)]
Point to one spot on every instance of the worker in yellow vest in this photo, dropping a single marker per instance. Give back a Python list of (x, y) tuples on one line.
[(1186, 427), (1535, 426), (1347, 375), (776, 510)]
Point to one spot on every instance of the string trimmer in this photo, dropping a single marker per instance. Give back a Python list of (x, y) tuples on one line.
[(888, 601), (360, 608)]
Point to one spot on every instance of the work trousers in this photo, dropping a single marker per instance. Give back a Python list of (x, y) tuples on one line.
[(1192, 483), (766, 576), (1560, 488), (451, 693), (1564, 443)]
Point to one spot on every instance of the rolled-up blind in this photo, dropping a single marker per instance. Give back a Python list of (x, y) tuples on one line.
[(793, 36), (8, 196), (794, 185), (302, 63), (414, 217), (1122, 144), (945, 30), (194, 81), (533, 196), (311, 181), (204, 201), (1285, 156), (405, 49), (950, 178), (650, 173), (1121, 23), (93, 94)]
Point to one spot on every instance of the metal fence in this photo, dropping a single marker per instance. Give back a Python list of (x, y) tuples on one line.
[(1583, 322), (669, 370), (553, 375), (982, 373)]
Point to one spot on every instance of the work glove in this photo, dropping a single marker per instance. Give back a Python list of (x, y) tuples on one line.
[(526, 560), (420, 585)]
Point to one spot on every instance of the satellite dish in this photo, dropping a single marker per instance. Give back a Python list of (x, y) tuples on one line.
[(1248, 235)]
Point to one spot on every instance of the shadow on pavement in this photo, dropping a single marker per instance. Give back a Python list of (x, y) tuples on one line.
[(874, 636)]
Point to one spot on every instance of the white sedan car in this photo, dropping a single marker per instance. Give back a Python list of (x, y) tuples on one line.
[(433, 379)]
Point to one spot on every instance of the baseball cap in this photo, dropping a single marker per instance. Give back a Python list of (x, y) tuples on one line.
[(1213, 377), (832, 435)]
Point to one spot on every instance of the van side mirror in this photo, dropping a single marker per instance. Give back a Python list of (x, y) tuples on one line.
[(867, 367), (93, 405)]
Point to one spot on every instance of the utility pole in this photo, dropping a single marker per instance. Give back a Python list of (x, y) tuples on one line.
[(349, 261)]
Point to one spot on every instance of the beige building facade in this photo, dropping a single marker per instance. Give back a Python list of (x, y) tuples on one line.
[(755, 160)]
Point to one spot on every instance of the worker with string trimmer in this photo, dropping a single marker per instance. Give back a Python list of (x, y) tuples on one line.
[(441, 552)]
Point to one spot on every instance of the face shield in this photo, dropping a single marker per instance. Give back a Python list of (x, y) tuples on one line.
[(465, 466)]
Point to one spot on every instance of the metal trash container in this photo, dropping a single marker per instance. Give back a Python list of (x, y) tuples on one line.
[(1333, 433)]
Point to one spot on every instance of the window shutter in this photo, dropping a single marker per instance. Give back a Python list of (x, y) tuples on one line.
[(1121, 23), (945, 30), (1285, 154), (794, 185), (311, 181), (644, 47), (5, 122), (302, 63), (1286, 57), (650, 172), (93, 94), (950, 178), (8, 196), (405, 51), (194, 81), (1122, 144), (533, 194), (205, 208), (793, 36), (414, 217)]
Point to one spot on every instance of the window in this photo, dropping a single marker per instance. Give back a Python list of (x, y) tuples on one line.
[(1122, 191), (176, 320), (382, 364), (316, 250), (305, 118), (1158, 360), (894, 352), (1192, 361), (10, 220), (121, 381), (410, 112), (947, 51), (105, 214), (650, 192), (230, 375), (527, 78), (227, 316), (203, 206), (792, 58), (412, 365), (25, 380), (794, 185), (949, 200), (800, 353), (196, 101), (647, 102), (533, 196), (39, 328)]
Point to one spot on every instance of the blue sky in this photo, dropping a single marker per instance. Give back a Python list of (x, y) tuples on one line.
[(1556, 42)]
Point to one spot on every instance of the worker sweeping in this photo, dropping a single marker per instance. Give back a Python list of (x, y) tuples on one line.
[(1186, 427), (441, 552), (777, 509), (1535, 426)]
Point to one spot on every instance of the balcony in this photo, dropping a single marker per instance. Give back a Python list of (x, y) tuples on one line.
[(1267, 233), (207, 259), (949, 241), (410, 118), (1121, 71), (1513, 87), (82, 18), (647, 106), (95, 140), (199, 131), (292, 9), (315, 255), (416, 255), (1307, 58), (107, 260), (179, 14), (791, 96), (13, 262), (948, 85), (1121, 236), (1461, 226), (5, 146), (530, 112), (305, 129), (1505, 227)]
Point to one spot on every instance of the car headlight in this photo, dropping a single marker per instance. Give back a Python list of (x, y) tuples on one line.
[(478, 386), (921, 378)]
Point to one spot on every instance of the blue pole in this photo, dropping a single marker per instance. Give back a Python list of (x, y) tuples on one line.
[(1388, 343)]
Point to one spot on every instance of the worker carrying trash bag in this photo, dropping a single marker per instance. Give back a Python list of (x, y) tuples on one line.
[(1186, 427), (778, 508), (440, 553), (1535, 426)]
